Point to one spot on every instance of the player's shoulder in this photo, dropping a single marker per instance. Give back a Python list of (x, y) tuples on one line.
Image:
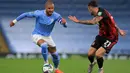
[(100, 11), (103, 12), (38, 11)]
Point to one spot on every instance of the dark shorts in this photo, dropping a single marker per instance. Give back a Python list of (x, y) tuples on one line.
[(107, 44)]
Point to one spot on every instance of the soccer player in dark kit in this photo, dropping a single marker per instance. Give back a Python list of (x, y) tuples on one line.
[(107, 37)]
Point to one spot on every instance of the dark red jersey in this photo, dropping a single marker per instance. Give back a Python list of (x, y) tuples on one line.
[(107, 25)]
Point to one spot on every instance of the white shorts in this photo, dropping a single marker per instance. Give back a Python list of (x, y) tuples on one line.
[(48, 39)]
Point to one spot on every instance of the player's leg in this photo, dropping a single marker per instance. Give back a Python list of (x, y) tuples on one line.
[(40, 42), (54, 54), (44, 49), (105, 48), (91, 55), (55, 59), (99, 56)]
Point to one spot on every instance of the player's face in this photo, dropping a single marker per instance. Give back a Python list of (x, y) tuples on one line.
[(90, 9), (49, 9)]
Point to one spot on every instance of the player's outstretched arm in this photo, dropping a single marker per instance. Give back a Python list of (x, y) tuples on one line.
[(12, 23), (20, 17), (93, 21)]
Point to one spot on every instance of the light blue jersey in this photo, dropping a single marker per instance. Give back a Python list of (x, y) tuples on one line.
[(44, 24)]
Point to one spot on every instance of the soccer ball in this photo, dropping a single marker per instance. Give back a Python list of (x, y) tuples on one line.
[(47, 68)]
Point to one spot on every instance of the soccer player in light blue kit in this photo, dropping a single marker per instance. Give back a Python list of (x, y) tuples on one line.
[(45, 21)]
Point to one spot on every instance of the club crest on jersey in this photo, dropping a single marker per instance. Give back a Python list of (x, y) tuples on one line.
[(99, 13)]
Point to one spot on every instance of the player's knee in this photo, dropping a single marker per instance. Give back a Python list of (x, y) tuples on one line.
[(98, 55), (55, 56), (90, 54), (44, 47), (52, 49)]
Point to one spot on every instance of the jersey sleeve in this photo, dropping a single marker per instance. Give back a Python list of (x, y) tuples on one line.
[(102, 13), (29, 15), (59, 18)]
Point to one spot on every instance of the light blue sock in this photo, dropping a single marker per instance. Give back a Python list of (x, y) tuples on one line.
[(56, 59), (44, 51)]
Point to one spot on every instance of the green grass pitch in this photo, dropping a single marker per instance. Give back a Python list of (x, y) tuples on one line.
[(72, 65)]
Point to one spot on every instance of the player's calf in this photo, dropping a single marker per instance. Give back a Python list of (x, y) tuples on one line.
[(55, 56), (44, 51), (99, 56), (91, 54), (91, 59), (56, 59)]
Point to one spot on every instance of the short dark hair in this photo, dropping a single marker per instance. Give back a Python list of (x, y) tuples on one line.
[(93, 3)]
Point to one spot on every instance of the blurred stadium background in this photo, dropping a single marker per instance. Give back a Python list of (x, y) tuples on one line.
[(72, 43)]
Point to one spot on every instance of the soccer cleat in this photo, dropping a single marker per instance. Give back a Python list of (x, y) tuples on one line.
[(100, 70), (90, 68), (58, 71)]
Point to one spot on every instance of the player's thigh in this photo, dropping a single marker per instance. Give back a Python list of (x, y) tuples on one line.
[(92, 51), (94, 46), (50, 41), (37, 39), (51, 44), (100, 52)]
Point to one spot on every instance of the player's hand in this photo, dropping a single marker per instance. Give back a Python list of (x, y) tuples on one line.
[(63, 21), (73, 18), (122, 32), (11, 24)]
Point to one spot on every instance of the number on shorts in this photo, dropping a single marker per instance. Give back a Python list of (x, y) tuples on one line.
[(107, 43)]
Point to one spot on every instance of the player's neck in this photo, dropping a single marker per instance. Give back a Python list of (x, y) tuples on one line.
[(48, 14)]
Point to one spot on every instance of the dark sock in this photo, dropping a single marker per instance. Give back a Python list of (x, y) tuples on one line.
[(100, 62), (91, 58)]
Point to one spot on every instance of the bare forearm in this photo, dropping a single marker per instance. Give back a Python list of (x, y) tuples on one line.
[(87, 22)]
